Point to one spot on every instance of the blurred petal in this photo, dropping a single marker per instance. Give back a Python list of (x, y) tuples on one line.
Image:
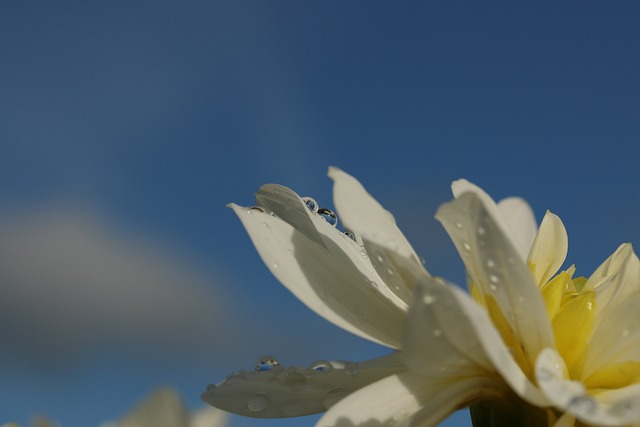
[(549, 249), (163, 408), (209, 417), (325, 270), (406, 400), (297, 391), (494, 266), (519, 216)]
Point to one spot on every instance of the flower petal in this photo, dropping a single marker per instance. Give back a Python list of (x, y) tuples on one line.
[(209, 417), (462, 186), (571, 396), (615, 280), (439, 339), (327, 272), (297, 391), (616, 338), (549, 249), (492, 262), (519, 216), (363, 215), (407, 399)]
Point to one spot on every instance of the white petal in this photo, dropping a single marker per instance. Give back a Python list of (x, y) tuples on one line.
[(610, 267), (406, 398), (209, 417), (571, 396), (327, 272), (615, 280), (493, 264), (163, 408), (616, 338), (623, 402), (363, 215), (519, 216), (549, 248), (439, 339), (462, 186), (297, 391)]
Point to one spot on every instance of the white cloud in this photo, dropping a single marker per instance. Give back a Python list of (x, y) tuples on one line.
[(72, 284)]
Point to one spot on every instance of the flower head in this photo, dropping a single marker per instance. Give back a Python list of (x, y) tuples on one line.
[(526, 346)]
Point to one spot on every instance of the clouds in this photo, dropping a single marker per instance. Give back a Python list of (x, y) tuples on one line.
[(72, 283)]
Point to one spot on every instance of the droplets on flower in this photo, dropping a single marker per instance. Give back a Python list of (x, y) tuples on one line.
[(267, 363)]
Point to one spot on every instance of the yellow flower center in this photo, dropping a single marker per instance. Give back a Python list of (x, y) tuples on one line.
[(572, 313)]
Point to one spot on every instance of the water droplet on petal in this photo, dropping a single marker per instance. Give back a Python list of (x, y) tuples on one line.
[(494, 278), (481, 231), (493, 287), (459, 225), (544, 375), (257, 403), (329, 216), (466, 246), (321, 366), (255, 209), (311, 203), (266, 363), (491, 263), (437, 332), (429, 299), (350, 235), (295, 380), (363, 252), (351, 368), (373, 284), (334, 396), (422, 260), (582, 405)]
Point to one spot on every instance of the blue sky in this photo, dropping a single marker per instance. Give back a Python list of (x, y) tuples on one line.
[(126, 127)]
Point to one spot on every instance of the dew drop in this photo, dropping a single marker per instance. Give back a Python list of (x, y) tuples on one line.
[(257, 403), (493, 287), (390, 272), (363, 252), (373, 284), (429, 299), (334, 396), (321, 366), (266, 363), (466, 246), (544, 375), (459, 225), (379, 257), (311, 203), (255, 209), (275, 266), (351, 369), (491, 263), (350, 235), (295, 380), (437, 332), (235, 378), (422, 260), (481, 231), (494, 278), (582, 405), (329, 216)]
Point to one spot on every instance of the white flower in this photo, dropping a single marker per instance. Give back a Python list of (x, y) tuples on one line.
[(534, 349), (527, 347), (361, 279), (164, 408)]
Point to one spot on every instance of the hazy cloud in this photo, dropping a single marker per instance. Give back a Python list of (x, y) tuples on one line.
[(71, 283)]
